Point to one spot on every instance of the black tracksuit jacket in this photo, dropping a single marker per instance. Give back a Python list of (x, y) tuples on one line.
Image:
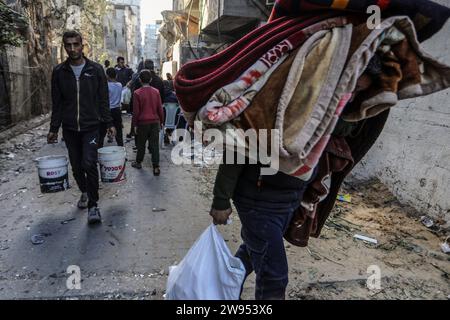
[(79, 105)]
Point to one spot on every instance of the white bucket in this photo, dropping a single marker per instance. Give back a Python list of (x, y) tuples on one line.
[(112, 163), (53, 173)]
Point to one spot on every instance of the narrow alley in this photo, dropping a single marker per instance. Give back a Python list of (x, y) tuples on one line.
[(327, 123), (149, 223)]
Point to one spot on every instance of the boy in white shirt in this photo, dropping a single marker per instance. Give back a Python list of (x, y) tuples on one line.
[(115, 103)]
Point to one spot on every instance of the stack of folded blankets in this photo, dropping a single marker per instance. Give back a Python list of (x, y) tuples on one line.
[(326, 79)]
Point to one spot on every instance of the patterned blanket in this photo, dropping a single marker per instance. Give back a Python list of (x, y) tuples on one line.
[(428, 16)]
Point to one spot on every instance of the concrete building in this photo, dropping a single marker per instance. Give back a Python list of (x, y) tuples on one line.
[(180, 30), (229, 20), (122, 31), (152, 43), (200, 28), (25, 69)]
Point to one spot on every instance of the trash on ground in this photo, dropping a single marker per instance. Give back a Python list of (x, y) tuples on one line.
[(427, 221), (313, 254), (67, 221), (446, 245), (364, 238), (158, 209), (344, 198), (39, 238)]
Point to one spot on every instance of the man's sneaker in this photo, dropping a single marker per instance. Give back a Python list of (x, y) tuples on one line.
[(83, 202), (136, 165), (94, 215)]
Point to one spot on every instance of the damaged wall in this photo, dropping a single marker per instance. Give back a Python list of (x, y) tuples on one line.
[(19, 85), (27, 67), (39, 49), (412, 155)]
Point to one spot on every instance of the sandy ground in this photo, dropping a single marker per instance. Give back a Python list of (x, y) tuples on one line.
[(127, 257)]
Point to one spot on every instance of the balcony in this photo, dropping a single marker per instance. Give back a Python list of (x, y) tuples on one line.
[(229, 17)]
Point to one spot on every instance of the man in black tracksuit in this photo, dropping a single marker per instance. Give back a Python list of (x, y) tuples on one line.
[(80, 102), (124, 74)]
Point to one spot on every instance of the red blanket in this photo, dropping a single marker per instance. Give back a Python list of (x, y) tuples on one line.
[(198, 80)]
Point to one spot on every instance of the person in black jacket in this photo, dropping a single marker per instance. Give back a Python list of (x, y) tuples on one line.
[(80, 103), (124, 73), (265, 206)]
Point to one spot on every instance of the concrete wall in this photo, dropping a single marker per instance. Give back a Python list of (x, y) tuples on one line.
[(412, 155), (122, 31), (21, 92), (27, 68)]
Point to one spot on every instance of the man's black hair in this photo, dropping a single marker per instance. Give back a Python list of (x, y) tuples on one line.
[(111, 73), (148, 64), (120, 58), (107, 63), (72, 34), (145, 76)]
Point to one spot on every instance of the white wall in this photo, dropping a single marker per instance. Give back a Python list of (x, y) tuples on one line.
[(412, 155)]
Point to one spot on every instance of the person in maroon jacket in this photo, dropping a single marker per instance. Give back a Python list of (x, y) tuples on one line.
[(148, 118)]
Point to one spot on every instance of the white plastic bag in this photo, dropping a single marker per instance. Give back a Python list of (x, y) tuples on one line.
[(208, 271), (126, 95)]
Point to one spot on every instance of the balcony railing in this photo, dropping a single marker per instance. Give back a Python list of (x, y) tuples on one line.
[(227, 16)]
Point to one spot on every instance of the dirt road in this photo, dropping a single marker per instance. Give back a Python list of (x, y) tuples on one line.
[(127, 257)]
